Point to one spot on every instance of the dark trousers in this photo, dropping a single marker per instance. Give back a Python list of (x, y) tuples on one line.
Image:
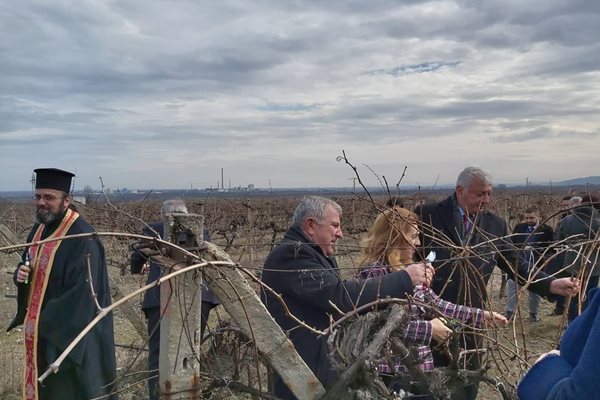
[(153, 321)]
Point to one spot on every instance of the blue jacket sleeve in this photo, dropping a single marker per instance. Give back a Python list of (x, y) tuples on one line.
[(542, 378), (574, 374)]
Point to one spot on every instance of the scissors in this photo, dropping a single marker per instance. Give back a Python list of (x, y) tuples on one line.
[(430, 257)]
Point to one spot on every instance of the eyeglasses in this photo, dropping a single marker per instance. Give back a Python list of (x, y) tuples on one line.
[(46, 197)]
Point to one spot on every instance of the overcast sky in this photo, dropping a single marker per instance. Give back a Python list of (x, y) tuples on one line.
[(163, 94)]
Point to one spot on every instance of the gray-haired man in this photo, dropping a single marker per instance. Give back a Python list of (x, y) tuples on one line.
[(462, 220), (302, 270)]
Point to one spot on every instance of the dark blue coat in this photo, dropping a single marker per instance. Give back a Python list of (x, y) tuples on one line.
[(574, 374), (541, 237), (490, 246), (308, 281), (539, 240), (461, 276), (579, 229)]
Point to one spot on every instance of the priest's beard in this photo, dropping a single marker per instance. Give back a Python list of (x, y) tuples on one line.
[(46, 217)]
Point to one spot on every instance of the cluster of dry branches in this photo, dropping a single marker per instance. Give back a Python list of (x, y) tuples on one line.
[(248, 228)]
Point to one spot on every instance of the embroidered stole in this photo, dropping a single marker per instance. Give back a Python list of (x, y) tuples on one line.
[(42, 257)]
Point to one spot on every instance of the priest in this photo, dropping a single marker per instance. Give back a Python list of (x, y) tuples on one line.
[(58, 285)]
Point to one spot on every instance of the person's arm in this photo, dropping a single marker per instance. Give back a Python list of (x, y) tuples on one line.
[(21, 274), (137, 262), (544, 378), (19, 281), (137, 258), (418, 332), (542, 247), (507, 261), (22, 294), (573, 373), (315, 284), (464, 314)]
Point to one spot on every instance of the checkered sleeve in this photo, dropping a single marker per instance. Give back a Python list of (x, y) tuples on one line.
[(417, 332), (466, 315), (373, 271)]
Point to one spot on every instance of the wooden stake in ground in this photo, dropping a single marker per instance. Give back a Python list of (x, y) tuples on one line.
[(179, 374), (180, 300)]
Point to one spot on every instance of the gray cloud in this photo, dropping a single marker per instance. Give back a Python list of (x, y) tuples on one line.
[(267, 86), (425, 67), (535, 134), (548, 133), (289, 107)]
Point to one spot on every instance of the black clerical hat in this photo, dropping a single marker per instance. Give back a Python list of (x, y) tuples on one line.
[(52, 178)]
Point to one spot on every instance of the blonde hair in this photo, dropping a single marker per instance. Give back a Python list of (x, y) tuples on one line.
[(386, 240)]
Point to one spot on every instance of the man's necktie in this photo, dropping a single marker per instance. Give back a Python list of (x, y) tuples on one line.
[(530, 237), (529, 256), (466, 223)]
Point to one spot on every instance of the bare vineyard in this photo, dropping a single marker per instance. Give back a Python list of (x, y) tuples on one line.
[(247, 229)]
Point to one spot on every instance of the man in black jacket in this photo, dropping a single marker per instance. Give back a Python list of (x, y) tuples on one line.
[(302, 270), (581, 232), (531, 241), (469, 242)]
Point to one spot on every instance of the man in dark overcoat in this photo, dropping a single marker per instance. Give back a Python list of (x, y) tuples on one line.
[(469, 242), (302, 269), (531, 240), (580, 231)]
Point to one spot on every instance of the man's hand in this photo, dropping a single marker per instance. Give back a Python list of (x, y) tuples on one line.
[(497, 318), (420, 273), (22, 273), (439, 331), (565, 286)]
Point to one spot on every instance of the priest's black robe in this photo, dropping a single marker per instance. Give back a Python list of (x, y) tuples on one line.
[(67, 308)]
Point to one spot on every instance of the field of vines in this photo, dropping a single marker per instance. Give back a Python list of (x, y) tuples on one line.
[(247, 229)]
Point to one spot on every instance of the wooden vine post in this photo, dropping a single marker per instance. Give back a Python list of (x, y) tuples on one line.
[(179, 371), (180, 300)]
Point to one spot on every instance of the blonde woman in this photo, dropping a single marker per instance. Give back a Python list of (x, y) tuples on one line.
[(389, 246)]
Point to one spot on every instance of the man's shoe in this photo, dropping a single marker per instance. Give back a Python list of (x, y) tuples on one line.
[(533, 317)]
